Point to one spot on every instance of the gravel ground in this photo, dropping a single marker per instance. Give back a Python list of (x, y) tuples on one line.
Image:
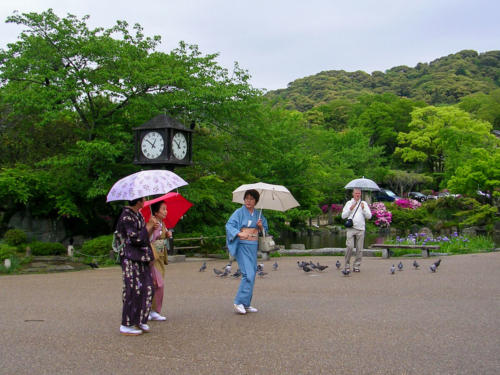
[(412, 322)]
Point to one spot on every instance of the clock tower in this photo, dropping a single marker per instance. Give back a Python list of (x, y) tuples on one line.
[(165, 141)]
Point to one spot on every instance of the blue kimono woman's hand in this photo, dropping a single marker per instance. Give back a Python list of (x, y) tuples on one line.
[(259, 224)]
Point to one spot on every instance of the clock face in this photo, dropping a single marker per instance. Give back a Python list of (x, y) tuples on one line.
[(179, 146), (152, 145)]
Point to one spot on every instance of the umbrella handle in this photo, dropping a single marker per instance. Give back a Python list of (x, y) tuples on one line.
[(263, 229)]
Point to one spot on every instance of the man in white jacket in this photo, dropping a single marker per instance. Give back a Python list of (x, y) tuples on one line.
[(358, 211)]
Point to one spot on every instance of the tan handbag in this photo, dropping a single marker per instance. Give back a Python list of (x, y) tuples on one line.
[(266, 243)]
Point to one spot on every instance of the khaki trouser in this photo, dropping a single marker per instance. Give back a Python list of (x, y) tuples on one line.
[(359, 235)]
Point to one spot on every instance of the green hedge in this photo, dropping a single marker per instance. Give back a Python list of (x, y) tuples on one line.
[(98, 246), (47, 248), (7, 251), (15, 237), (403, 218)]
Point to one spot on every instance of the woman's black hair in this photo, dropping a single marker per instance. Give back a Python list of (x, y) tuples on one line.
[(155, 207), (253, 193), (133, 202)]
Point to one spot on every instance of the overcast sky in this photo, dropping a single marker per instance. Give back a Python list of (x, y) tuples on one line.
[(278, 41)]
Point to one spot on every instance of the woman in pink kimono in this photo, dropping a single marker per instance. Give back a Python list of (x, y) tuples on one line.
[(159, 244)]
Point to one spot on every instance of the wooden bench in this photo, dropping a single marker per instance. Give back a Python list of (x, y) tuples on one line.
[(200, 246), (386, 248)]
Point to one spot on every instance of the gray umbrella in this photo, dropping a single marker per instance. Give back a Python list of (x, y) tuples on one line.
[(363, 184)]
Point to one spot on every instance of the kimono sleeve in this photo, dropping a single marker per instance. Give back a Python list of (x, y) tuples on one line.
[(137, 237), (233, 226)]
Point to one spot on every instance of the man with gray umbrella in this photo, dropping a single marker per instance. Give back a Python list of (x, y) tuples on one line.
[(358, 211)]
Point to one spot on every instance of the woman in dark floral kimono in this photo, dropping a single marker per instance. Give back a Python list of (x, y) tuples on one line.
[(135, 257)]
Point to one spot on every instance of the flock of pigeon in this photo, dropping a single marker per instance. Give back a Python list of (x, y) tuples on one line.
[(433, 267), (306, 267), (227, 270), (310, 266)]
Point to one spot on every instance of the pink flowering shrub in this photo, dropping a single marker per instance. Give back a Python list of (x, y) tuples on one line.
[(336, 208), (408, 203), (383, 218)]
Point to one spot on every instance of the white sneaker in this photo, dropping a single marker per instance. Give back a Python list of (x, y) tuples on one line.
[(251, 309), (130, 331), (155, 316), (144, 327), (239, 309)]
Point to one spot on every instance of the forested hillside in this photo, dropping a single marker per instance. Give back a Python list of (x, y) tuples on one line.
[(443, 81)]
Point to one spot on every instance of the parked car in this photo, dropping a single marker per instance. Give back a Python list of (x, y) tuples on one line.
[(385, 195), (445, 194), (483, 197), (483, 194), (417, 196)]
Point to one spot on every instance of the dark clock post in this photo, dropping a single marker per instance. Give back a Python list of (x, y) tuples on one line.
[(163, 142)]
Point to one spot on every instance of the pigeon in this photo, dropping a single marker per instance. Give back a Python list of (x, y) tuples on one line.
[(415, 264), (437, 263), (320, 267), (260, 267), (218, 272), (313, 266), (400, 266), (346, 272), (433, 267), (306, 268), (228, 266), (236, 274), (262, 273), (393, 269), (275, 266), (338, 264), (92, 265), (225, 273), (203, 267), (300, 264)]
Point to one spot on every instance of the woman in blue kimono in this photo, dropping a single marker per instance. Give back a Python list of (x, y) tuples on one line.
[(242, 234)]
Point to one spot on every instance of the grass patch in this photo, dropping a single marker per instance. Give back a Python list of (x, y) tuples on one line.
[(454, 244)]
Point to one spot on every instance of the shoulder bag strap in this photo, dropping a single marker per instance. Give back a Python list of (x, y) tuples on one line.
[(356, 210)]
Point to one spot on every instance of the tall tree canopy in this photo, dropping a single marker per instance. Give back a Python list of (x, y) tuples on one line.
[(71, 95), (443, 137)]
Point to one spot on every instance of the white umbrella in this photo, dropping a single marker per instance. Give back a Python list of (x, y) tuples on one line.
[(144, 183), (363, 184), (272, 197)]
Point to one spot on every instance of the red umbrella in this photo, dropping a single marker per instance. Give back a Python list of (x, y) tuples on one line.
[(177, 206)]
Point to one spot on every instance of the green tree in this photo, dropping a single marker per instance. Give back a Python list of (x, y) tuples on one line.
[(403, 181), (442, 138), (481, 171), (484, 106), (74, 94), (60, 65), (382, 117)]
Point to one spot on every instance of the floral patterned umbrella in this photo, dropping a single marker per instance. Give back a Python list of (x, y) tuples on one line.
[(144, 183)]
